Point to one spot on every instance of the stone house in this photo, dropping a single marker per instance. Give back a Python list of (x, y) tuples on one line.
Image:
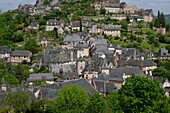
[(148, 15), (53, 23), (96, 28), (147, 66), (5, 52), (130, 9), (57, 5), (82, 50), (113, 30), (75, 26), (44, 42), (46, 77), (72, 40), (111, 7), (19, 56), (34, 25)]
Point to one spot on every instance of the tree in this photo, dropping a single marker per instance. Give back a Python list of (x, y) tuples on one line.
[(31, 45), (11, 79), (96, 104), (56, 33), (17, 102), (103, 11), (113, 102), (80, 25), (140, 94), (72, 99), (161, 72), (89, 10), (168, 48), (42, 106)]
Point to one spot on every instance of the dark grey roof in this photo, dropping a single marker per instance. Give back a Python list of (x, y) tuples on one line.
[(42, 76), (129, 51), (43, 39), (21, 53), (110, 5), (82, 45), (34, 24), (54, 22), (162, 52), (123, 4), (72, 38), (114, 46), (65, 56), (133, 71), (70, 75), (58, 4), (75, 24), (4, 49), (116, 74), (89, 68), (148, 11), (83, 83), (159, 79), (140, 63), (112, 28), (103, 86)]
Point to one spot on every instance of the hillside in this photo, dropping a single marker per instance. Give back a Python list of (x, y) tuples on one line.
[(167, 17)]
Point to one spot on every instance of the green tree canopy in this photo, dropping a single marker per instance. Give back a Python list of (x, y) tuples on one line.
[(32, 45), (96, 104), (17, 102), (11, 79), (71, 99), (140, 94)]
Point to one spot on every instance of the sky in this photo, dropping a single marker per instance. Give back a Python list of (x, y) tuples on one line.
[(162, 5)]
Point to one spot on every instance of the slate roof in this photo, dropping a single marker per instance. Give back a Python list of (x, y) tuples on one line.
[(160, 79), (72, 38), (148, 11), (140, 63), (21, 53), (70, 75), (43, 39), (162, 52), (58, 4), (110, 5), (63, 68), (83, 83), (42, 76), (75, 24), (4, 49), (34, 24), (65, 56), (104, 87), (54, 22), (112, 28), (129, 51)]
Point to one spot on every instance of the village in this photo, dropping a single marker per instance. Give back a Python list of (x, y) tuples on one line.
[(86, 53)]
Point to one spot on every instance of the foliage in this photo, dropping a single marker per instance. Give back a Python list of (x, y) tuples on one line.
[(139, 94), (168, 48), (103, 11), (160, 20), (32, 45), (72, 99), (11, 79), (42, 106), (163, 69), (96, 104), (17, 102)]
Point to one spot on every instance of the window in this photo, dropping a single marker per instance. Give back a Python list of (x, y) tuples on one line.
[(87, 78)]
